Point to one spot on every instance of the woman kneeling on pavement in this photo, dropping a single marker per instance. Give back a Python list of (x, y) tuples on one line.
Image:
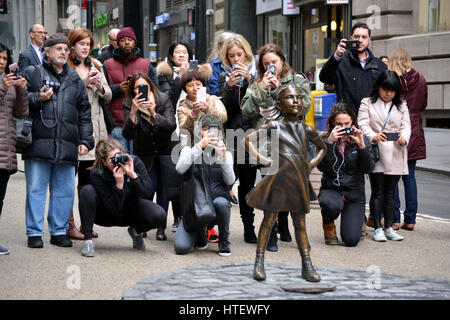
[(208, 158), (120, 195), (342, 189)]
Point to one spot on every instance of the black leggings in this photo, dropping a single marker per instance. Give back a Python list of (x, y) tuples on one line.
[(352, 215), (382, 199), (247, 178), (144, 215)]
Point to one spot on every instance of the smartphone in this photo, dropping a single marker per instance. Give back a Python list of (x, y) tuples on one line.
[(193, 65), (14, 69), (214, 129), (352, 44), (93, 73), (143, 88), (392, 136), (201, 94), (272, 69), (234, 66), (129, 77)]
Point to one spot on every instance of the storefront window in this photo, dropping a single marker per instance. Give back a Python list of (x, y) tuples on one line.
[(277, 31)]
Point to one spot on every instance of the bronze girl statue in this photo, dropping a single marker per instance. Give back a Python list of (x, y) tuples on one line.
[(289, 188)]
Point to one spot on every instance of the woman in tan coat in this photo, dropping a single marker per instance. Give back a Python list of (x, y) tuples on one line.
[(91, 71), (384, 119), (13, 103), (192, 108)]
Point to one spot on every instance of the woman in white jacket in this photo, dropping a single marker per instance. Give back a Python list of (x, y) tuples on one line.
[(384, 119)]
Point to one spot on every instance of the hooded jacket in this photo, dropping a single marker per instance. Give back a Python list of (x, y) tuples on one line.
[(116, 70), (62, 123), (353, 82), (13, 103), (415, 92)]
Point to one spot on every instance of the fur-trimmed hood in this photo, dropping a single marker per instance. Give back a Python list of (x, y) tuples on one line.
[(164, 69)]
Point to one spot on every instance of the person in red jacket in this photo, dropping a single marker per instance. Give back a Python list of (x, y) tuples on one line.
[(125, 62), (415, 92)]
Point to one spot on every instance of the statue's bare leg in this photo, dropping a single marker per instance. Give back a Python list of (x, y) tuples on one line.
[(263, 238), (308, 271)]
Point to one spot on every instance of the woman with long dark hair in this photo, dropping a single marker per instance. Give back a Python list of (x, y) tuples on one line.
[(384, 119), (13, 103), (342, 189), (149, 122)]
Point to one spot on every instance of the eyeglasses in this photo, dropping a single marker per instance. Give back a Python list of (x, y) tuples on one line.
[(112, 39), (41, 32), (59, 48)]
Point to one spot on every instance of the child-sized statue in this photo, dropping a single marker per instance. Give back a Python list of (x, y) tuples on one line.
[(289, 188)]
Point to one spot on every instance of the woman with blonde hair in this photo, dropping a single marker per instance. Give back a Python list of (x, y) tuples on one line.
[(91, 72), (240, 70), (216, 63), (415, 91)]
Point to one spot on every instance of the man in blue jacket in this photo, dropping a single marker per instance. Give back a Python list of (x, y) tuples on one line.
[(62, 130)]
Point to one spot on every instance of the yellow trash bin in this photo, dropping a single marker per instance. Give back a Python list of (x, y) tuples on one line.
[(310, 115)]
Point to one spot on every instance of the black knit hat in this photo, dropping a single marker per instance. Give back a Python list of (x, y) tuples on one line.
[(55, 39)]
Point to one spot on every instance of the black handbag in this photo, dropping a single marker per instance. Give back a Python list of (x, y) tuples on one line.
[(197, 206), (375, 151), (23, 131)]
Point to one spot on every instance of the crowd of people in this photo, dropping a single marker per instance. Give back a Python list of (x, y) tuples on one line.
[(135, 136)]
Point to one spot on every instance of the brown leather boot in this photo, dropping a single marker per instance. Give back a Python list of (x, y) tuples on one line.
[(73, 232), (329, 232)]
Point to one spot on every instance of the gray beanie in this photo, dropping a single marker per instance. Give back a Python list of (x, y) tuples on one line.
[(55, 39)]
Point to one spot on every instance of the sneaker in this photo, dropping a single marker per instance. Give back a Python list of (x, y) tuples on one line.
[(234, 200), (202, 241), (224, 248), (138, 240), (379, 235), (88, 249), (3, 251), (35, 242), (61, 241), (391, 234), (213, 236)]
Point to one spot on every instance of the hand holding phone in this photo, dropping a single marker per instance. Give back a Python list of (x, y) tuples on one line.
[(193, 65), (352, 44)]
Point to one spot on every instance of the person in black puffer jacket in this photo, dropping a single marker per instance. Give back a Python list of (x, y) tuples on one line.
[(62, 130), (342, 190)]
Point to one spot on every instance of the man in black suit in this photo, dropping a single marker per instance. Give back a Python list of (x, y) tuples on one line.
[(107, 52), (33, 55)]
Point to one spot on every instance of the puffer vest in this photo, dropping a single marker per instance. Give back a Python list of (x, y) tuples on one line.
[(118, 72)]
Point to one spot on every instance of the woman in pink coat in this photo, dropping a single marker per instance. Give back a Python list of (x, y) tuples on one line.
[(384, 119)]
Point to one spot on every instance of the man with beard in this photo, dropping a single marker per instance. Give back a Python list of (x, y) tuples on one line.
[(62, 130), (125, 62), (353, 71)]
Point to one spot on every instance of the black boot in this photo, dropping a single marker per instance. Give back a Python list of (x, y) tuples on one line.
[(249, 232), (273, 239)]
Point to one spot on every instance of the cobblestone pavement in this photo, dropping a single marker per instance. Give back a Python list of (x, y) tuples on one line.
[(233, 281)]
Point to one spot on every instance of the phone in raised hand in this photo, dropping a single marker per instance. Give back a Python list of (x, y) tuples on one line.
[(14, 69)]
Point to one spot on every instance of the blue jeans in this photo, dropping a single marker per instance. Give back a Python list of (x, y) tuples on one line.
[(127, 144), (409, 183), (60, 179)]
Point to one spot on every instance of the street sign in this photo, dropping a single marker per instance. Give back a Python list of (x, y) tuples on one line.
[(336, 1), (289, 8)]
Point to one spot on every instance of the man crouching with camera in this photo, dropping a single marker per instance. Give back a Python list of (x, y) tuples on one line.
[(119, 194)]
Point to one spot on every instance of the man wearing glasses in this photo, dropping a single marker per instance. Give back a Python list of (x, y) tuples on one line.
[(34, 54), (107, 53), (62, 130)]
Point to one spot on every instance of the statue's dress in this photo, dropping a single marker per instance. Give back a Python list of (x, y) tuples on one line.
[(289, 189)]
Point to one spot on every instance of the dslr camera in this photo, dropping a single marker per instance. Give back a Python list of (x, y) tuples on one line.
[(52, 85), (119, 158)]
